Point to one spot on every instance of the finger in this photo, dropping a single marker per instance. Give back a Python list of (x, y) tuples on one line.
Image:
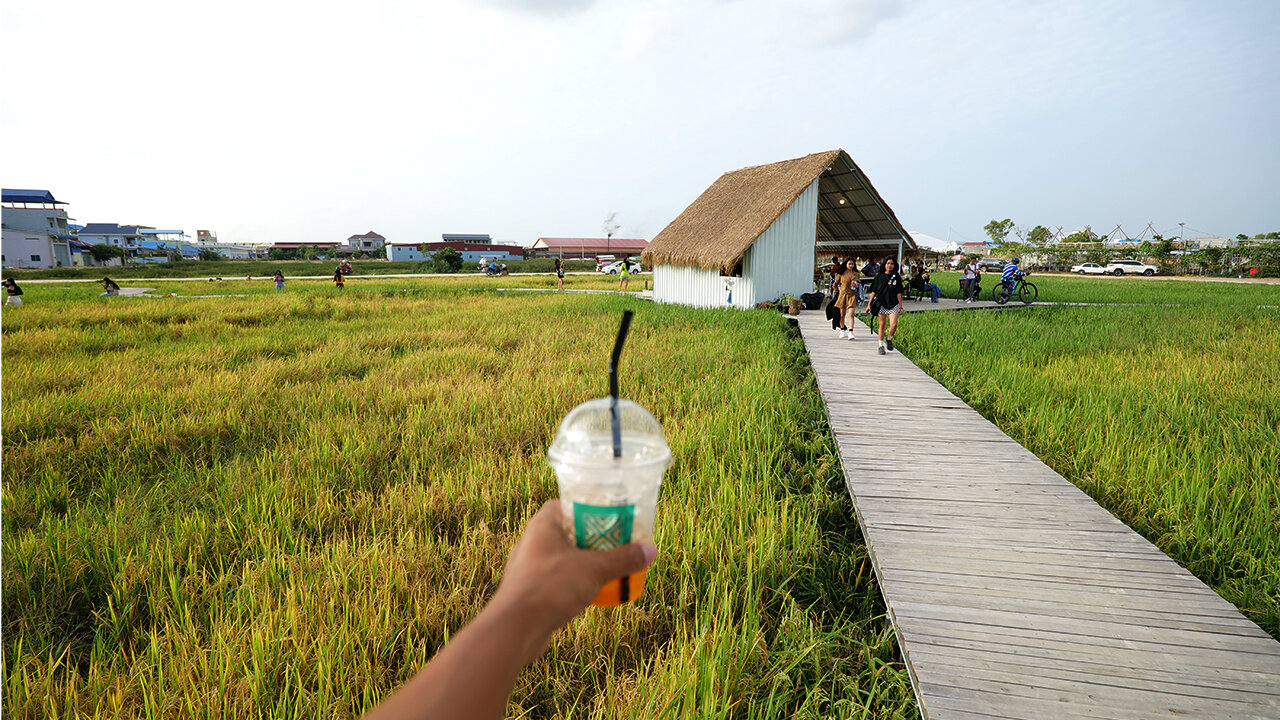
[(625, 560)]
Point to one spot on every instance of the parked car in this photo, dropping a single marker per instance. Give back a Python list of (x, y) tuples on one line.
[(991, 264), (615, 267), (604, 260), (1131, 267), (1089, 269)]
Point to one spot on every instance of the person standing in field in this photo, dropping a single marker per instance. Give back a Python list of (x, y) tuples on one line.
[(337, 279), (110, 286), (279, 278), (14, 292), (624, 275), (886, 293), (560, 274), (846, 287)]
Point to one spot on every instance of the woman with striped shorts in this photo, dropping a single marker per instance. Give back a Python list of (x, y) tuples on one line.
[(886, 293)]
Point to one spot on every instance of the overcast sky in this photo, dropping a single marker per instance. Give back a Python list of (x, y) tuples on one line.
[(267, 120)]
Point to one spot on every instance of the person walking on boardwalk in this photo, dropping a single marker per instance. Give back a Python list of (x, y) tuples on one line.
[(846, 287), (886, 294), (337, 279), (279, 278), (624, 275), (14, 292), (834, 314), (560, 274)]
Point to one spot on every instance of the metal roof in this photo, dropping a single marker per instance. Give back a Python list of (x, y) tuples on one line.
[(851, 213), (109, 229), (574, 243), (28, 196)]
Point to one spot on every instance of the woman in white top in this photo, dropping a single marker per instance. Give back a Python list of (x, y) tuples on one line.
[(970, 279)]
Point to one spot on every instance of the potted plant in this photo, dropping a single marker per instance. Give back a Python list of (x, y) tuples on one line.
[(791, 302)]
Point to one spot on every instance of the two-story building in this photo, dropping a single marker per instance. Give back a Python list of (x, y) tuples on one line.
[(127, 237), (36, 227), (369, 242)]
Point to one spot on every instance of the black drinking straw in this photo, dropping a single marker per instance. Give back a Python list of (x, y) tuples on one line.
[(614, 418)]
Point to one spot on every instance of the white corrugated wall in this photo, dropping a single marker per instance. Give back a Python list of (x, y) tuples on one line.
[(782, 259), (779, 261), (693, 286)]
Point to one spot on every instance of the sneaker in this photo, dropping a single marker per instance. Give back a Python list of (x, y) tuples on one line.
[(852, 336), (888, 343), (844, 334), (881, 349)]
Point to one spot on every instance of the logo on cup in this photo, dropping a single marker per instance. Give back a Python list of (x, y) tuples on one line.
[(602, 527)]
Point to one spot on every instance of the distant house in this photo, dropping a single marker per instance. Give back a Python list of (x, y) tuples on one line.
[(368, 242), (404, 252), (126, 237), (20, 249), (587, 247), (470, 251), (37, 212)]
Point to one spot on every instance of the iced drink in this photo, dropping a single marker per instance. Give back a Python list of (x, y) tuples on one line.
[(609, 500)]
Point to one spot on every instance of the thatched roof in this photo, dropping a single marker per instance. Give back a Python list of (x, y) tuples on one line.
[(718, 228)]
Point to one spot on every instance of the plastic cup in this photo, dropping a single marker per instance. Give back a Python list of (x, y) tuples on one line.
[(609, 501)]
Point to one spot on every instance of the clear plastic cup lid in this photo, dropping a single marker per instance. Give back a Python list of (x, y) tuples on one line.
[(586, 437)]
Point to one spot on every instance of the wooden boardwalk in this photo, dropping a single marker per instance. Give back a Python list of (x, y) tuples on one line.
[(1014, 594)]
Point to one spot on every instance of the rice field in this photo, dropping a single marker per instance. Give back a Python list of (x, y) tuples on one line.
[(281, 505), (1167, 413)]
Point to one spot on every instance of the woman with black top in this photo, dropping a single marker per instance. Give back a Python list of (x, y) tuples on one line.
[(560, 273), (111, 288), (836, 317), (15, 292), (886, 293)]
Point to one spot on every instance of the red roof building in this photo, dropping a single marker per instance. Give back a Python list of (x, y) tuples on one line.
[(587, 247)]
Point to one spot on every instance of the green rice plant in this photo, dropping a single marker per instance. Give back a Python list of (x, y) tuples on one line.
[(283, 504), (1167, 416)]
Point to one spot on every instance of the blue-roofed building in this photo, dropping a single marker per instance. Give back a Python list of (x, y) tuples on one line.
[(36, 212)]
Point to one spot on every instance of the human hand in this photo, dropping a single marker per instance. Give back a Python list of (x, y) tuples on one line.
[(549, 581)]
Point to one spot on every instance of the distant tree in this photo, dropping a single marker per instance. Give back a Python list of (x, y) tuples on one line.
[(447, 260), (210, 254), (1211, 259), (998, 230), (102, 252), (1242, 237), (1039, 236)]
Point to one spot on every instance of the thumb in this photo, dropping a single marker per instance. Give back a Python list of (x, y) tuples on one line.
[(625, 560)]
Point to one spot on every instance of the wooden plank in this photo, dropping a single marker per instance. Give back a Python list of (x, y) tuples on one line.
[(1012, 592), (1015, 680), (1179, 679)]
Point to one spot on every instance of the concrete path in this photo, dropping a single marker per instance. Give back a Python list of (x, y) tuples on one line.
[(1013, 594)]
